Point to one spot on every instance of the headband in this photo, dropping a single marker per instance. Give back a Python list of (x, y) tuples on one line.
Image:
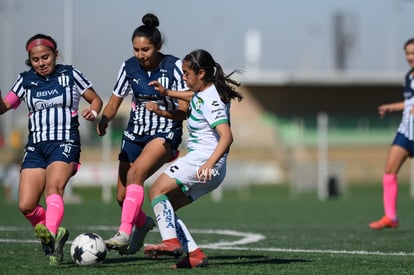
[(40, 42)]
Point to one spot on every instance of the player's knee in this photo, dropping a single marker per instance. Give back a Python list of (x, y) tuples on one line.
[(26, 208), (136, 176)]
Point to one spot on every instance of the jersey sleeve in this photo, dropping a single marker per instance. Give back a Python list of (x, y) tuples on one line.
[(178, 84), (122, 87), (81, 82), (215, 112), (18, 88)]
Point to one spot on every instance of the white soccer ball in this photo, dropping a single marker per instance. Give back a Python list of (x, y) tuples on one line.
[(88, 249)]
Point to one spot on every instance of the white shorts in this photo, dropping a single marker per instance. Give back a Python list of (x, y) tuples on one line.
[(184, 171)]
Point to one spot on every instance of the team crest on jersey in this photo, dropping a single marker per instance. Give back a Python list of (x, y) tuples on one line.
[(198, 103), (63, 80), (164, 80)]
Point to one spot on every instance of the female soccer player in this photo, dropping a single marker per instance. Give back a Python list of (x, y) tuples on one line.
[(52, 93), (149, 140), (402, 147), (203, 168)]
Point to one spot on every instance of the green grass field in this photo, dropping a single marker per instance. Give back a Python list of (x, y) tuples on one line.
[(260, 230)]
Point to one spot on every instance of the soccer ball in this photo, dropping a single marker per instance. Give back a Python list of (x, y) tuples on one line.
[(88, 249)]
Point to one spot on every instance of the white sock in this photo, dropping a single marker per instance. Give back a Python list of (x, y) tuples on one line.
[(165, 216), (186, 240)]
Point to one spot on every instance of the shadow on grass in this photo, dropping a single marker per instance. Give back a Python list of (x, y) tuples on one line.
[(213, 261), (251, 260)]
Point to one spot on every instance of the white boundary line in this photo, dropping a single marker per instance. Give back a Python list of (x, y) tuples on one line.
[(245, 238)]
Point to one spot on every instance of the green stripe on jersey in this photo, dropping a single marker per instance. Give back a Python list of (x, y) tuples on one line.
[(218, 122)]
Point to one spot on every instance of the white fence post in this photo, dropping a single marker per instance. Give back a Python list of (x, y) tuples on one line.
[(322, 121)]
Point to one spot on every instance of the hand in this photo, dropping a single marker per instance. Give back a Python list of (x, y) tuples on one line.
[(205, 172), (101, 128), (152, 107), (89, 115), (158, 87)]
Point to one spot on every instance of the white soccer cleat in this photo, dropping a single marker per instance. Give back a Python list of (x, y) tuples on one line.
[(118, 242)]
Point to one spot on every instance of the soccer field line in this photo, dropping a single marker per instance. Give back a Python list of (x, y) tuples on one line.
[(245, 238), (313, 251)]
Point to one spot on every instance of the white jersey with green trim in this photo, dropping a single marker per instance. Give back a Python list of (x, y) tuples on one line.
[(206, 112)]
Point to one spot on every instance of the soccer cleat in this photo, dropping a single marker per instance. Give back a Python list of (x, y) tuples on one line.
[(193, 259), (62, 236), (137, 240), (43, 234), (171, 247), (383, 223), (118, 242)]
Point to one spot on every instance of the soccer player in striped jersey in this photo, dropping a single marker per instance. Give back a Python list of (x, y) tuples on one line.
[(203, 168), (52, 93), (149, 140), (402, 147)]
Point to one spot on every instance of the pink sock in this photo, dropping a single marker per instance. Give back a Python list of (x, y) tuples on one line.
[(38, 215), (54, 212), (390, 185), (141, 219), (134, 198)]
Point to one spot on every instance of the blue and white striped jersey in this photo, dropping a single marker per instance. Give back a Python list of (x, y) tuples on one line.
[(132, 79), (407, 123), (52, 102)]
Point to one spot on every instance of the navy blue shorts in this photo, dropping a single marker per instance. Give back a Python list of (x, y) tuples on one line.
[(40, 155), (132, 145), (405, 143)]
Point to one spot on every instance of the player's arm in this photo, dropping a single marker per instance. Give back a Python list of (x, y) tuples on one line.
[(226, 139), (4, 106), (95, 103), (177, 114), (390, 107), (182, 95), (109, 112), (10, 101)]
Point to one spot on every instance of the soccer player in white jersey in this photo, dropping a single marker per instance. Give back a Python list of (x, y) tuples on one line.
[(52, 93), (402, 147), (149, 140), (203, 168)]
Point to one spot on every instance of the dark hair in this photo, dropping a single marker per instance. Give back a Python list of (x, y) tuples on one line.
[(149, 30), (409, 41), (40, 36), (201, 59)]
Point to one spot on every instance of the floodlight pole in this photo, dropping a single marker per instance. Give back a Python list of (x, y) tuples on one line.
[(7, 10)]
